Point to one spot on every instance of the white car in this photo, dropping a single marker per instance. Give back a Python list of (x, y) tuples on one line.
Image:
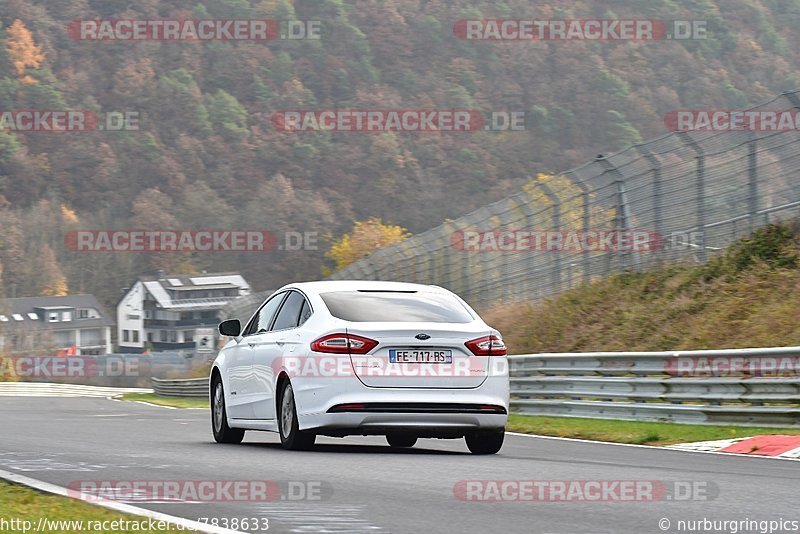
[(340, 358)]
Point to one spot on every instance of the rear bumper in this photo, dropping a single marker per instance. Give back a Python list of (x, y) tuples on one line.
[(419, 407), (362, 410), (418, 424)]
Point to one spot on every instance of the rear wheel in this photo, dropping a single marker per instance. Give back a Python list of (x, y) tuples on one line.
[(401, 440), (485, 441), (219, 416), (291, 436)]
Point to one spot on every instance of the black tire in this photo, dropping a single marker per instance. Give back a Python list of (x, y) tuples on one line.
[(219, 416), (291, 436), (401, 440), (485, 441)]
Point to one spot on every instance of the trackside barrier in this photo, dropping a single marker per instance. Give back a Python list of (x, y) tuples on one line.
[(750, 387), (184, 387)]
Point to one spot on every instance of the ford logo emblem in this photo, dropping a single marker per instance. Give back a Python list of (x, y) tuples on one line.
[(422, 337)]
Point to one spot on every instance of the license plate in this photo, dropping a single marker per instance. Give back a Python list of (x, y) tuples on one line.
[(420, 356)]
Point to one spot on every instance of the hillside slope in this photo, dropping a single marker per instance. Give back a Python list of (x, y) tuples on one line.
[(749, 297), (206, 154)]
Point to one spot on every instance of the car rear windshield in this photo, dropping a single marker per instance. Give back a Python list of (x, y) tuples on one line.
[(395, 306)]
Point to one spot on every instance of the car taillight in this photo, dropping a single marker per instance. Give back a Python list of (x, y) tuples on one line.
[(343, 344), (487, 346)]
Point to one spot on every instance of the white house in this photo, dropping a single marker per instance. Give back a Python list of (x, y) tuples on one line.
[(163, 312)]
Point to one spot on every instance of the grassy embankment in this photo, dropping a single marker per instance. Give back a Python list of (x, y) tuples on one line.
[(747, 297)]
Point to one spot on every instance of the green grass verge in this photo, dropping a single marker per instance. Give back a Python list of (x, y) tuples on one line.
[(181, 402), (26, 504), (640, 433)]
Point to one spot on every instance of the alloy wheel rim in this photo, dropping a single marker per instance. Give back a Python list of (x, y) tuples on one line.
[(287, 414), (218, 407)]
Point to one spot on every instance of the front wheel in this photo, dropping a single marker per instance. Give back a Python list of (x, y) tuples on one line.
[(292, 438), (485, 441), (219, 416)]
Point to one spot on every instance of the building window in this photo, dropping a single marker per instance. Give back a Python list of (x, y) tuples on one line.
[(125, 336), (150, 337), (163, 336), (188, 336), (52, 317), (83, 314), (173, 336), (135, 336), (66, 316)]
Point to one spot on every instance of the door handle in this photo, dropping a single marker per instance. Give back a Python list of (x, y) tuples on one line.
[(251, 345)]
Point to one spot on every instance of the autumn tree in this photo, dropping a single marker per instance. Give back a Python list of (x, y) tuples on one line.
[(52, 282), (23, 51), (365, 237), (153, 210)]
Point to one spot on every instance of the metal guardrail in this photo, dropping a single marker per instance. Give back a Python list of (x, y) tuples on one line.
[(745, 387), (182, 387), (748, 387)]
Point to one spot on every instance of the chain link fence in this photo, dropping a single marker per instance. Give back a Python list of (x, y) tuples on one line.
[(681, 197)]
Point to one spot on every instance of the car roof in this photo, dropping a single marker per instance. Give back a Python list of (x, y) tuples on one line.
[(325, 286)]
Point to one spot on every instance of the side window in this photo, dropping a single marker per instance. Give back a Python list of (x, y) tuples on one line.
[(305, 313), (268, 312), (264, 317), (287, 317)]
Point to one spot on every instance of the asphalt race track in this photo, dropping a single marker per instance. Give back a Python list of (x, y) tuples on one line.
[(368, 487)]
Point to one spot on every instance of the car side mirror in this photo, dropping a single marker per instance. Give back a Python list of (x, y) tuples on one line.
[(230, 328)]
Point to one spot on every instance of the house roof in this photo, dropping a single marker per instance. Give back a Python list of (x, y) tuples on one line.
[(28, 307), (162, 286)]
